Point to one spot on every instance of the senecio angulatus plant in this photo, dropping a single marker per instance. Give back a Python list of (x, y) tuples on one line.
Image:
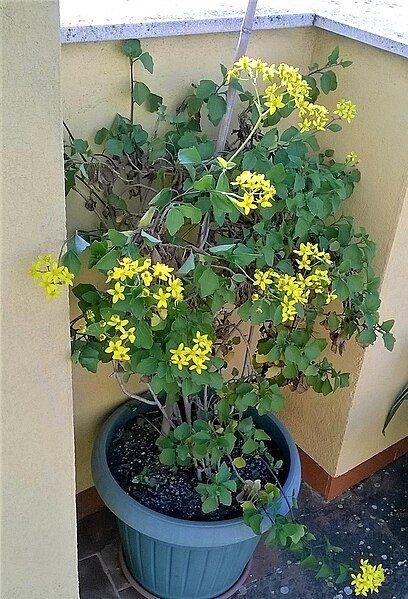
[(201, 254)]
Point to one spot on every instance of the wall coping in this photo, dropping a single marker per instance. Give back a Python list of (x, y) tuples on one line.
[(378, 23)]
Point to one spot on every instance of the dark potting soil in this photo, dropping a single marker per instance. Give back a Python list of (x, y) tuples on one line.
[(164, 489)]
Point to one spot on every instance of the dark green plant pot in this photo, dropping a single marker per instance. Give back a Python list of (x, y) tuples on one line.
[(180, 559)]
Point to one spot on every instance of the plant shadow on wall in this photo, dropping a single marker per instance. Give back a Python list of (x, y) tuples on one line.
[(202, 253)]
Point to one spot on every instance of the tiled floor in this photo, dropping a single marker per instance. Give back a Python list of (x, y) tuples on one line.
[(371, 520)]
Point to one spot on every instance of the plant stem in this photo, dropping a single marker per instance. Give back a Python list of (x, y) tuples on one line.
[(132, 103)]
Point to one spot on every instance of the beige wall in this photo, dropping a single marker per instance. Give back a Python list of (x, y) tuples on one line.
[(95, 87), (38, 536)]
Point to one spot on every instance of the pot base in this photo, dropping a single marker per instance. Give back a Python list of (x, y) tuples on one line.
[(148, 595)]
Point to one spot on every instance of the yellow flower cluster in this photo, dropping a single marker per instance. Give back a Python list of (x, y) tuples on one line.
[(309, 252), (314, 115), (352, 157), (120, 334), (345, 110), (195, 357), (47, 273), (258, 191), (253, 67), (369, 579), (295, 290), (147, 273), (289, 81)]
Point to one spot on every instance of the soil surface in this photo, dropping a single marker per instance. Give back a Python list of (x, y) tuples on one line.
[(164, 489)]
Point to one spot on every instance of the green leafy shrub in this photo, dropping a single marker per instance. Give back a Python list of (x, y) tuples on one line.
[(198, 251)]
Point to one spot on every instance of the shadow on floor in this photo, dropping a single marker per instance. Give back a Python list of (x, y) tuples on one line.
[(370, 520)]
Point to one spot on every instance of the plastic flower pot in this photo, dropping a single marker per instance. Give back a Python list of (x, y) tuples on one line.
[(180, 559)]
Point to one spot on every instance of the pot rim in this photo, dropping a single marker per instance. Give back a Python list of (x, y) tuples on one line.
[(155, 524)]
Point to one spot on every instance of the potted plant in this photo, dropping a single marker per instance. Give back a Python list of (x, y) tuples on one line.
[(204, 258)]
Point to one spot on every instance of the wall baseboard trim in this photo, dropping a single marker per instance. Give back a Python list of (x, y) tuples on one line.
[(89, 502), (330, 487)]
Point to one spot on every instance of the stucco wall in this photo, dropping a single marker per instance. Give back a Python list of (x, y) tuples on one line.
[(95, 81), (37, 521)]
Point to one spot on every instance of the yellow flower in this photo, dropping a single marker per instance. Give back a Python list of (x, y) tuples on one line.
[(114, 320), (120, 325), (144, 265), (369, 579), (345, 110), (117, 292), (48, 274), (198, 366), (273, 101), (162, 271), (262, 279), (145, 292), (129, 334), (352, 157), (119, 274), (101, 337), (90, 315), (247, 203), (305, 125), (179, 356), (255, 297), (175, 288), (202, 341), (83, 329), (147, 278), (161, 297), (288, 309), (330, 297), (119, 351)]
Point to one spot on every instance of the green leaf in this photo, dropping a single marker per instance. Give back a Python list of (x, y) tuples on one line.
[(80, 146), (250, 446), (144, 337), (114, 147), (210, 505), (174, 220), (387, 325), (116, 201), (117, 238), (108, 261), (153, 102), (366, 337), (189, 157), (101, 135), (223, 474), (140, 92), (205, 89), (147, 61), (162, 198), (328, 82), (205, 183), (333, 57), (147, 366), (132, 48), (167, 457), (89, 358), (182, 432), (221, 249), (334, 127), (209, 282), (187, 266), (72, 261), (216, 107), (389, 341), (191, 212), (239, 462), (314, 348)]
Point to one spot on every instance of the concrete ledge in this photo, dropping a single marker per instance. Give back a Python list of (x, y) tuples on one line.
[(379, 24)]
